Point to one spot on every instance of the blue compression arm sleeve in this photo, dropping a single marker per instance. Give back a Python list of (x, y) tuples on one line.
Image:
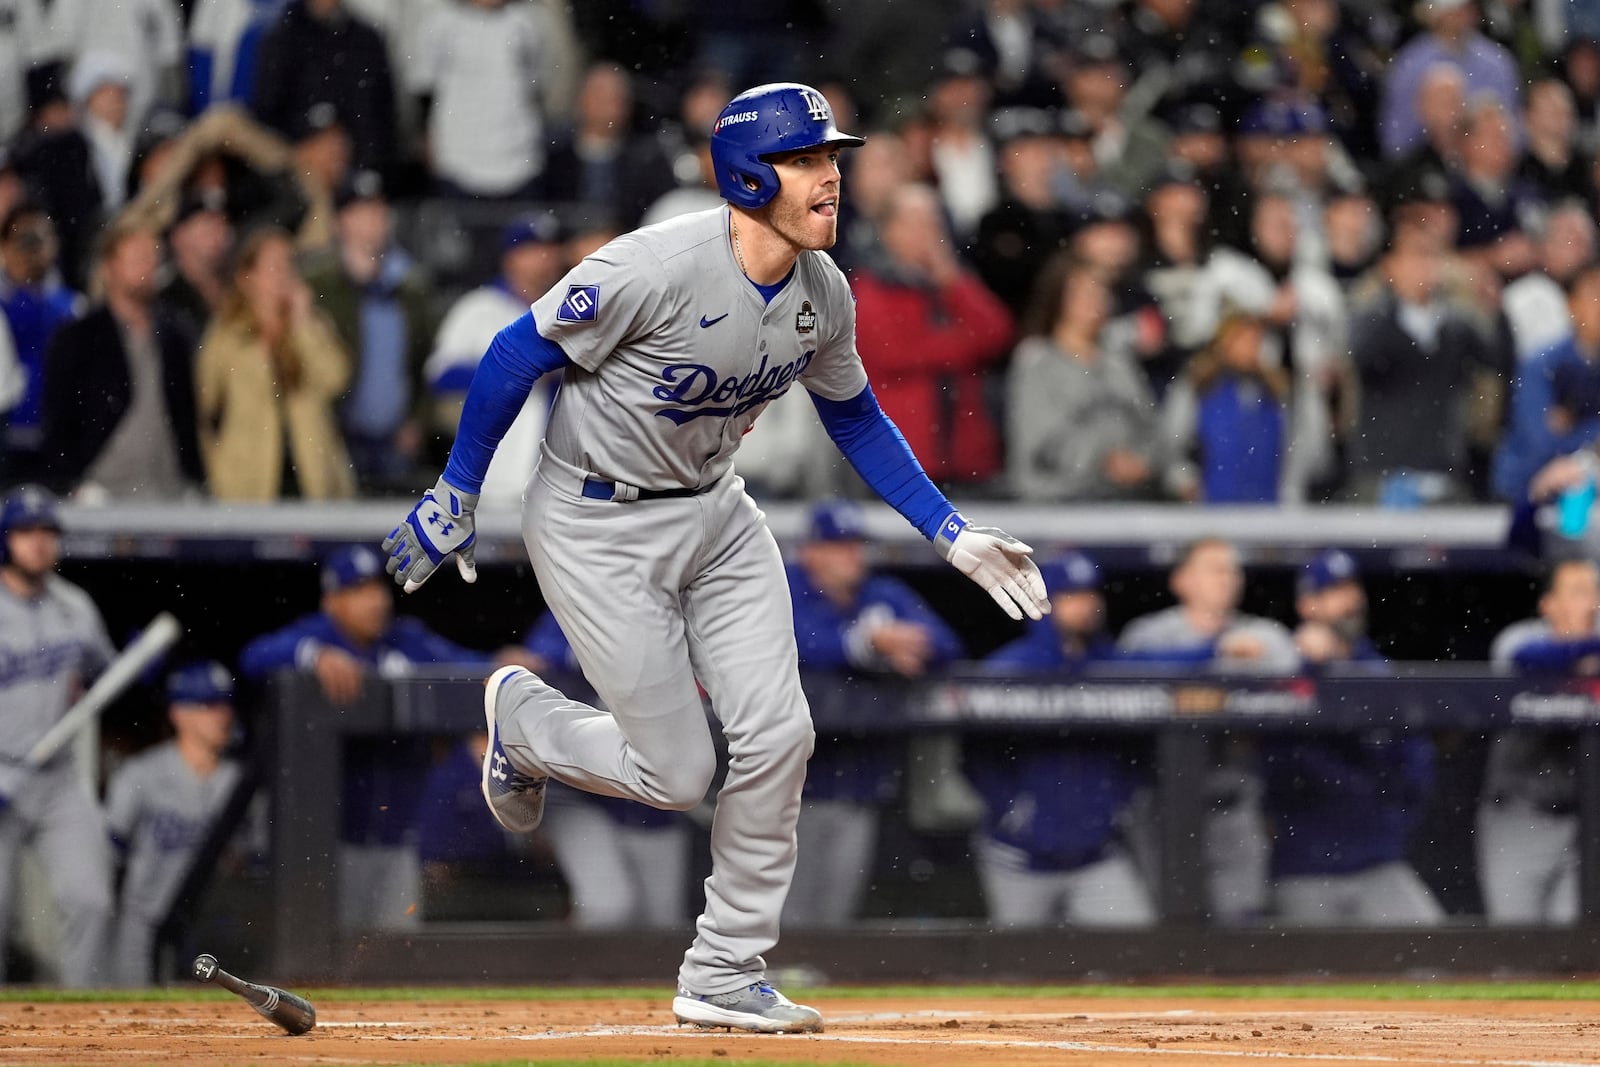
[(517, 356), (875, 448)]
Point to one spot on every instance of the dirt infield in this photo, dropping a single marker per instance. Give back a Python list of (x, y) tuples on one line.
[(938, 1031)]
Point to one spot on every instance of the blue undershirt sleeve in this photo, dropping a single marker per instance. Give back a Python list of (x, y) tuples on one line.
[(517, 356), (875, 448)]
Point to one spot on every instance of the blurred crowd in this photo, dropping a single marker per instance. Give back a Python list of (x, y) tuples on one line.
[(1181, 250)]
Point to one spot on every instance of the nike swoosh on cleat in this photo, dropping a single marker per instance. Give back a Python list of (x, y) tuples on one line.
[(704, 322)]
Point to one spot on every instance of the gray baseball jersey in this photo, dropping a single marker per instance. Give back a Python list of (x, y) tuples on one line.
[(677, 353), (1527, 826), (1170, 629), (50, 646), (160, 809)]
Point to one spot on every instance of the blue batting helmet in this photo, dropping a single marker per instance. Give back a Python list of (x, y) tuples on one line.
[(207, 682), (26, 507), (763, 122)]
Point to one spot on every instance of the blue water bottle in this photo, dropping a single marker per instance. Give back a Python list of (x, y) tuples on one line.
[(1573, 505)]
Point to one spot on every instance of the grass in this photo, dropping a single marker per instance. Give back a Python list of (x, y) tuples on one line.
[(1307, 990)]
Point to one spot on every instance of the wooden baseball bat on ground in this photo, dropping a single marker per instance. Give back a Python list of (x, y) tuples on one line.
[(294, 1014)]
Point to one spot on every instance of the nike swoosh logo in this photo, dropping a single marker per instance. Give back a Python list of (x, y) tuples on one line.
[(704, 322)]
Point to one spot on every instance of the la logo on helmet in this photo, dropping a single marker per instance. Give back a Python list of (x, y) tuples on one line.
[(816, 105)]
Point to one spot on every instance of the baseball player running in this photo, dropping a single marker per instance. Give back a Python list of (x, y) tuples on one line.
[(659, 567), (52, 641)]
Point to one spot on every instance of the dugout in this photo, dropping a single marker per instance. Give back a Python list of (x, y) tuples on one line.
[(1441, 584)]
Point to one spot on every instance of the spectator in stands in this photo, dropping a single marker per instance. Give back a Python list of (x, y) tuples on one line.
[(589, 164), (200, 241), (1206, 630), (1081, 423), (626, 864), (1441, 107), (100, 90), (319, 53), (1319, 52), (928, 330), (1016, 46), (1414, 356), (532, 258), (1493, 205), (1227, 420), (1302, 314), (1030, 224), (36, 304), (59, 165), (1451, 36), (1182, 51), (1546, 421), (1535, 304), (480, 77), (1177, 247), (1129, 149), (1527, 838), (161, 804), (874, 172), (1106, 239), (1352, 227), (963, 155), (260, 178), (224, 37), (145, 35), (353, 637), (379, 299), (119, 410), (1198, 147), (1342, 807), (679, 154), (27, 53), (270, 369), (1050, 847), (1554, 162), (847, 618)]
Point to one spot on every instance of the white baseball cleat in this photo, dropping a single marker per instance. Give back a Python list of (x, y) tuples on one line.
[(516, 800), (758, 1008)]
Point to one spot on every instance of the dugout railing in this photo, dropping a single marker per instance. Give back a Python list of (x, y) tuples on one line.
[(1183, 713)]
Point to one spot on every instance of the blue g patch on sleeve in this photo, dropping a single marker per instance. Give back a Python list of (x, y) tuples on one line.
[(581, 305)]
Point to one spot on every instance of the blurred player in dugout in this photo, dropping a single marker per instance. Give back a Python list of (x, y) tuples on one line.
[(847, 618), (353, 636), (52, 644), (1342, 806), (1051, 846), (160, 805)]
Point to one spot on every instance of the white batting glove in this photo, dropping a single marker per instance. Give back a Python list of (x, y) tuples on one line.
[(440, 524), (998, 562)]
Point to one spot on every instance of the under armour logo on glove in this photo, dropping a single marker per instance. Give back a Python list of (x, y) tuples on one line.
[(440, 524)]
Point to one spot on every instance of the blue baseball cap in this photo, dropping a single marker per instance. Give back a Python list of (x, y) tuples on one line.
[(1071, 572), (207, 682), (1329, 568), (351, 565), (1283, 118), (837, 520), (545, 227)]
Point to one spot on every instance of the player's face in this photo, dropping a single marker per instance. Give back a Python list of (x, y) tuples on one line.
[(207, 724), (837, 567), (806, 210), (1338, 605), (34, 551), (1077, 614), (361, 611), (1211, 580), (1573, 602)]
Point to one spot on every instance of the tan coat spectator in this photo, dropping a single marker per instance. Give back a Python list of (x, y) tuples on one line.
[(269, 371)]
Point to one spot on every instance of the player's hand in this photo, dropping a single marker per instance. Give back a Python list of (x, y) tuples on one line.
[(440, 524), (339, 674), (998, 562), (906, 646)]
